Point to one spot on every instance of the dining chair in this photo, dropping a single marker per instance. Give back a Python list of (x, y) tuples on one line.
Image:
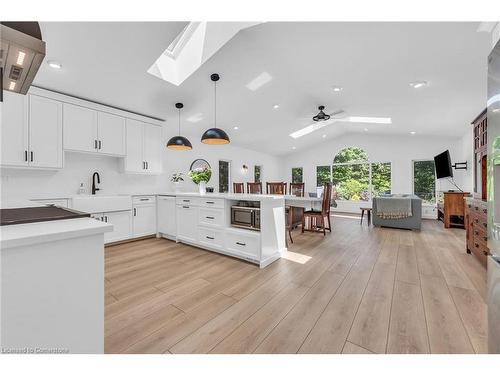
[(296, 188), (238, 187), (320, 216), (254, 187), (276, 188)]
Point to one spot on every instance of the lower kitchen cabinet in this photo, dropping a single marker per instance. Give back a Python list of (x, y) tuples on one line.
[(166, 216), (122, 223), (144, 218), (187, 223)]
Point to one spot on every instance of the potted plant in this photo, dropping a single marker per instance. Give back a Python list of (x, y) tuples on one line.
[(177, 178), (201, 176)]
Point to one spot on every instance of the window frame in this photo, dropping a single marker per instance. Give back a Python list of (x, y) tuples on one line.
[(301, 174), (229, 185)]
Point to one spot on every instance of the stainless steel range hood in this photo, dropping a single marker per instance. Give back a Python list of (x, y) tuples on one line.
[(21, 54)]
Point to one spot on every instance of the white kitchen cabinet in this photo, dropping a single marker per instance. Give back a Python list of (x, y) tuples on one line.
[(88, 130), (31, 132), (111, 134), (122, 224), (14, 129), (144, 148), (187, 223), (80, 128), (144, 217), (52, 202), (166, 216), (152, 148)]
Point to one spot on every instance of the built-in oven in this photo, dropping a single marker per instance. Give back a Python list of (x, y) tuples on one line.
[(247, 217)]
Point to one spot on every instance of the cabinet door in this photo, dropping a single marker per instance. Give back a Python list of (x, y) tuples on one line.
[(144, 220), (153, 145), (134, 161), (80, 128), (111, 134), (14, 129), (166, 216), (121, 226), (187, 223), (45, 132)]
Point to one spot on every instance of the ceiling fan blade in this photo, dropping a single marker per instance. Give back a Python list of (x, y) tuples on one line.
[(338, 113)]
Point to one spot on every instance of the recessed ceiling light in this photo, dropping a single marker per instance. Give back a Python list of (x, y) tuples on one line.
[(54, 64), (324, 135), (276, 106), (337, 88), (413, 133), (418, 84), (20, 58), (12, 85), (293, 147), (235, 128), (365, 129)]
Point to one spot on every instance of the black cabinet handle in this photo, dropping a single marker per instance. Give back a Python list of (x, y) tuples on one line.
[(185, 206), (209, 202), (144, 199), (485, 252), (485, 238), (26, 155), (147, 165), (186, 200), (135, 212), (31, 155), (210, 238), (99, 144), (241, 243), (210, 217), (95, 144)]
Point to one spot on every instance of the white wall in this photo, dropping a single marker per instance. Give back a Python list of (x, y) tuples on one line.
[(399, 150), (79, 167)]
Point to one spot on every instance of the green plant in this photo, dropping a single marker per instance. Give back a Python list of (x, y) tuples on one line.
[(200, 175)]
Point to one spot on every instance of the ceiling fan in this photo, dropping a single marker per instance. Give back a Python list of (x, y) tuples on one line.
[(322, 116)]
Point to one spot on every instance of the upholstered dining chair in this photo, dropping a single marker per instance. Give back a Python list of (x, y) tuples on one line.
[(276, 188), (238, 187), (322, 216), (254, 187)]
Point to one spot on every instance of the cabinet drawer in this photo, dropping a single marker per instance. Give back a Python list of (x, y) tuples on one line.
[(214, 203), (211, 216), (210, 237), (243, 245), (186, 201), (144, 199)]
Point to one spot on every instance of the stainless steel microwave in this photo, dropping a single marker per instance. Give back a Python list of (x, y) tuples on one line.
[(245, 217)]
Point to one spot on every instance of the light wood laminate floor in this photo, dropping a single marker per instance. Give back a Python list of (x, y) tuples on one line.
[(360, 289)]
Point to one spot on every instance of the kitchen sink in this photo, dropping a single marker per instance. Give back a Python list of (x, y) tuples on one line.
[(101, 203)]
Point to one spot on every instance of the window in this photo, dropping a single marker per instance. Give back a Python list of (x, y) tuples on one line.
[(381, 178), (424, 180), (323, 174), (257, 173), (297, 174), (354, 178), (224, 167)]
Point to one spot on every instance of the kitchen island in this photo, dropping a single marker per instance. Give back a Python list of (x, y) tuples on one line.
[(52, 286), (205, 221)]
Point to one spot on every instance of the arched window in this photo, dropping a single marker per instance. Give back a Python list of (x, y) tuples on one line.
[(355, 178)]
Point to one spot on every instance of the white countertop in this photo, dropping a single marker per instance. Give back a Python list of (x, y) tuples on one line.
[(247, 197), (48, 231)]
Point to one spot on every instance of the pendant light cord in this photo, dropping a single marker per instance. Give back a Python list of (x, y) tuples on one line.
[(179, 121), (215, 104)]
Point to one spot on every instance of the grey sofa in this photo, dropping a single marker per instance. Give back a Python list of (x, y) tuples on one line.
[(412, 222)]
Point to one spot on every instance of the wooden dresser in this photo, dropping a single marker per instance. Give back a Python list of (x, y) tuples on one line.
[(476, 213), (451, 208)]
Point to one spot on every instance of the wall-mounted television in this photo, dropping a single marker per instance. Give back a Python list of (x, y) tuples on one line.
[(442, 163)]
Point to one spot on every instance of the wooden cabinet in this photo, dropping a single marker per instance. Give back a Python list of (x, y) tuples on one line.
[(451, 208), (480, 135), (31, 132), (88, 130), (476, 213), (144, 148)]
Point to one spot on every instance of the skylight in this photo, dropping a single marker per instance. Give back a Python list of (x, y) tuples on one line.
[(259, 81)]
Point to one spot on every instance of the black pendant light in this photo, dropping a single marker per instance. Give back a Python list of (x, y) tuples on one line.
[(179, 142), (215, 136)]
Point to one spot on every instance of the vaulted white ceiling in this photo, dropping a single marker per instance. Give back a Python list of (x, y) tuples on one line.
[(373, 62)]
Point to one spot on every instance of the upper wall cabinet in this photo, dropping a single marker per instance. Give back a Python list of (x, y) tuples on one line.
[(88, 130), (31, 132), (144, 148)]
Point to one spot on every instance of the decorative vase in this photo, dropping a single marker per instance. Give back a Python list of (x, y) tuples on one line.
[(176, 186), (203, 187)]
